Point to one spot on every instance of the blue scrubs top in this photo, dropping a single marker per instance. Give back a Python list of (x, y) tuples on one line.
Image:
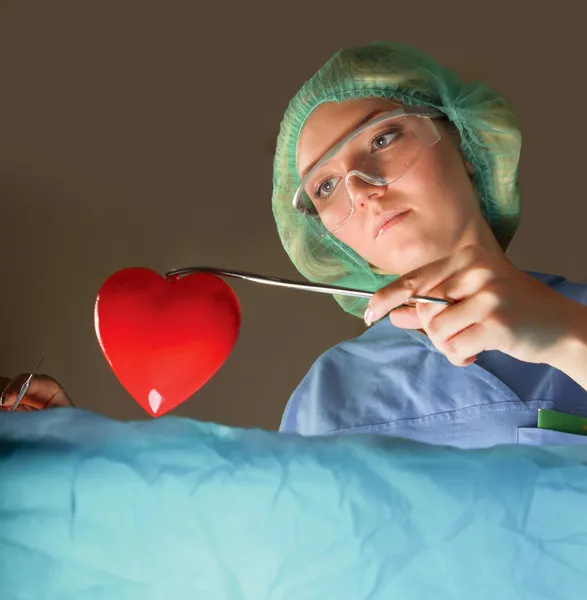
[(394, 382)]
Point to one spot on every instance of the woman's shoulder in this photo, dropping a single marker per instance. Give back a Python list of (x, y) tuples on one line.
[(381, 343), (345, 372)]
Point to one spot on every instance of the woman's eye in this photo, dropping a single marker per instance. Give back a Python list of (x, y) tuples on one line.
[(325, 189), (384, 140)]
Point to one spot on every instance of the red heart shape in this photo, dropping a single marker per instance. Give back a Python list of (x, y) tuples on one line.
[(164, 339)]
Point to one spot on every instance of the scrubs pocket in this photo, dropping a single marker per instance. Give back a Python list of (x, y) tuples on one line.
[(533, 436)]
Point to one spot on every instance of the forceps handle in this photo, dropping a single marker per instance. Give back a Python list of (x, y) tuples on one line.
[(22, 393), (309, 287), (27, 384)]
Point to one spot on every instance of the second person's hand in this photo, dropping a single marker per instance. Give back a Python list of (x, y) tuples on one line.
[(44, 392)]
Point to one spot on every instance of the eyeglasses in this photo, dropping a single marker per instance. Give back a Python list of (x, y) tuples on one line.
[(377, 153)]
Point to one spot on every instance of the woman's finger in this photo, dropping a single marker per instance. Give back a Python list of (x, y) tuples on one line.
[(454, 277)]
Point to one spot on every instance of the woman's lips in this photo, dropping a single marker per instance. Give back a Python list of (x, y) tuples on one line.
[(392, 222)]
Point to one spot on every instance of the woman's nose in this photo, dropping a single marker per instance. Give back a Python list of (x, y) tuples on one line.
[(361, 191)]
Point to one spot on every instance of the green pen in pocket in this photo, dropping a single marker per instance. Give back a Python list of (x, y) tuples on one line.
[(557, 421)]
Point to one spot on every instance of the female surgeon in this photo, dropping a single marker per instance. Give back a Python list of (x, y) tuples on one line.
[(393, 176)]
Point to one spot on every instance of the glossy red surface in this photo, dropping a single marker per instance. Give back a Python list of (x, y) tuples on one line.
[(164, 339)]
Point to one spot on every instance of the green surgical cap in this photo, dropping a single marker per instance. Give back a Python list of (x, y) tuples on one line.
[(491, 142)]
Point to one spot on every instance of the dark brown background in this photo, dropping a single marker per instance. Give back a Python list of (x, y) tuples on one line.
[(141, 133)]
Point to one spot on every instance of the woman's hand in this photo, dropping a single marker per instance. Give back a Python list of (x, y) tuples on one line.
[(498, 307), (44, 392)]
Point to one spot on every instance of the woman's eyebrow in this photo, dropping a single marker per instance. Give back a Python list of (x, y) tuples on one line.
[(369, 117)]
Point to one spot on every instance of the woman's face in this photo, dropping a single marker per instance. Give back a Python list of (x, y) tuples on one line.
[(443, 209)]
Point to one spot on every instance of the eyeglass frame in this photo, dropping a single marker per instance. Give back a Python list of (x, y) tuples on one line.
[(412, 111)]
